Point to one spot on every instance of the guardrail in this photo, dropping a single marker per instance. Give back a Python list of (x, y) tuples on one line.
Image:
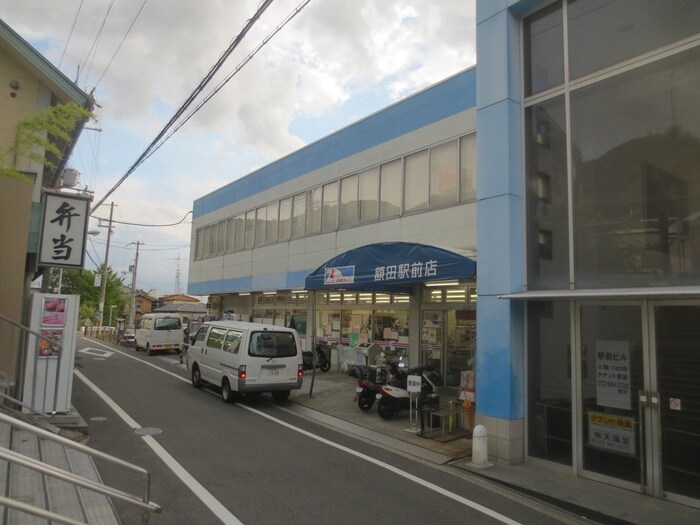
[(148, 507)]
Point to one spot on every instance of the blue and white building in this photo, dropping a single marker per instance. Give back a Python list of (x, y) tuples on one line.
[(576, 143)]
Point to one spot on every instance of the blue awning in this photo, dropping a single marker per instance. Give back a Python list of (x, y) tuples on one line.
[(389, 266)]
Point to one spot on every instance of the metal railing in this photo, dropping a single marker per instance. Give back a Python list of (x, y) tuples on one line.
[(147, 507), (18, 339)]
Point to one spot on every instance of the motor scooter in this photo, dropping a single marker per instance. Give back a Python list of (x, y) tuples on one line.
[(392, 399), (370, 379), (323, 357)]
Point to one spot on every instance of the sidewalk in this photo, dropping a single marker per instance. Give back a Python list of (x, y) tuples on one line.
[(332, 403)]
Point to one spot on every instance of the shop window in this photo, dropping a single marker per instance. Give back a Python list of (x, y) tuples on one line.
[(349, 298), (382, 298), (313, 211), (416, 182), (473, 295), (432, 295), (544, 49), (457, 294), (390, 189), (198, 243), (401, 299), (443, 175), (285, 230), (335, 297), (230, 233), (330, 207), (281, 299), (547, 197), (644, 25), (467, 168), (213, 237), (549, 381), (249, 229), (368, 194), (239, 232), (321, 298), (260, 222), (365, 298), (348, 200), (298, 215), (637, 186), (272, 223)]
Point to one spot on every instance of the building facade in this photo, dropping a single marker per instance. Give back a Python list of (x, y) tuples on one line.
[(589, 299), (588, 340), (391, 197), (31, 83)]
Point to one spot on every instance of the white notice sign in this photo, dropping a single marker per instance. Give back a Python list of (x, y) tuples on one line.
[(613, 374)]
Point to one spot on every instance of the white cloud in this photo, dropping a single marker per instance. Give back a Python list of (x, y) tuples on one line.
[(333, 51)]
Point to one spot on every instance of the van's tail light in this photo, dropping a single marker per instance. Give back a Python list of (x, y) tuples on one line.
[(241, 372), (300, 371)]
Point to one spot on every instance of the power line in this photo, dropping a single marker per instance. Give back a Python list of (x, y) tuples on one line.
[(220, 62), (97, 38), (70, 35), (121, 43), (240, 66), (146, 225)]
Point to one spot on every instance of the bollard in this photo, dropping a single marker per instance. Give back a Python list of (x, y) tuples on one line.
[(480, 447)]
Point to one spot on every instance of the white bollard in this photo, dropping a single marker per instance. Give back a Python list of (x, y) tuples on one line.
[(480, 447)]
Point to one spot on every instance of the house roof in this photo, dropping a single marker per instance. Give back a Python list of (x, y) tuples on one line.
[(60, 85), (62, 88)]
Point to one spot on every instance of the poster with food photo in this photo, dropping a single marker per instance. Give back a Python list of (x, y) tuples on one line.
[(50, 343), (53, 312)]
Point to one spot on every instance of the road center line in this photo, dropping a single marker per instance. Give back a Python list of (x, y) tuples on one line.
[(431, 486), (190, 482)]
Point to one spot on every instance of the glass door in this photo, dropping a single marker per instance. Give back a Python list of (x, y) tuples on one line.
[(677, 350), (432, 339), (612, 367)]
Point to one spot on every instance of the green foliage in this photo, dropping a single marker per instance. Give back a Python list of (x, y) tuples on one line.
[(36, 137), (82, 283)]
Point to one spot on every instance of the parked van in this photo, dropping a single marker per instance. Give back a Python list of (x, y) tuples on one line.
[(159, 332), (246, 358)]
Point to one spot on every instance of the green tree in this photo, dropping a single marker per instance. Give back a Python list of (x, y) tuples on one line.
[(82, 283), (37, 137)]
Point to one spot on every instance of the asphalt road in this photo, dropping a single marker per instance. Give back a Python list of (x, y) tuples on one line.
[(255, 462)]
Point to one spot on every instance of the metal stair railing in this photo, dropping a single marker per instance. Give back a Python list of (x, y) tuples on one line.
[(147, 507)]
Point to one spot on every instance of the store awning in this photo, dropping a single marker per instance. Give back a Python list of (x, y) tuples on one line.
[(390, 266)]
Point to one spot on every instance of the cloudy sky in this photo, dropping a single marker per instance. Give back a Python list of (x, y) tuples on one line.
[(334, 63)]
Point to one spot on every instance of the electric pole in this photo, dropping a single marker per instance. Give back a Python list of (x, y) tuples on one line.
[(105, 272), (132, 308)]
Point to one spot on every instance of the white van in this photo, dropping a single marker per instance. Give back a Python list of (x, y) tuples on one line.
[(246, 358), (158, 332)]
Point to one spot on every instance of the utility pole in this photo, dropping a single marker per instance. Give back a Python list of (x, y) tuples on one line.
[(132, 308), (105, 273)]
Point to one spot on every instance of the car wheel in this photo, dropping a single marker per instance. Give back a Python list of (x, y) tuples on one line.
[(196, 377), (280, 396), (387, 407), (227, 395), (366, 400), (148, 349)]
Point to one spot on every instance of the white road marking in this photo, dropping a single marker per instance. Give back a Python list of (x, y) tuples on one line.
[(190, 482), (431, 486), (96, 352)]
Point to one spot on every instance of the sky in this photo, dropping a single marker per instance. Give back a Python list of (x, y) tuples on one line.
[(335, 62)]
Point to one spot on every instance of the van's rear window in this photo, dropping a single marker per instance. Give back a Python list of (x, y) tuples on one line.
[(167, 323), (272, 344)]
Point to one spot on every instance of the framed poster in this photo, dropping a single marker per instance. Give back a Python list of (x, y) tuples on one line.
[(53, 312)]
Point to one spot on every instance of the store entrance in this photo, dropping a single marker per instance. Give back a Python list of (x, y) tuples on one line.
[(639, 403), (448, 342)]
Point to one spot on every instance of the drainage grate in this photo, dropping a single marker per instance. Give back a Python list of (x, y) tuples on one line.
[(148, 431)]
